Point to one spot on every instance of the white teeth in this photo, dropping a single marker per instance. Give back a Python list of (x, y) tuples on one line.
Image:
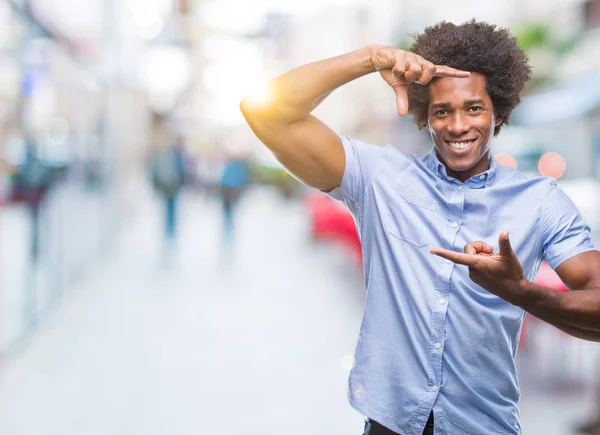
[(460, 145)]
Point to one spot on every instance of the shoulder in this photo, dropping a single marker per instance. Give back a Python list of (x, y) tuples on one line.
[(525, 183), (400, 160), (375, 156), (409, 167), (385, 161)]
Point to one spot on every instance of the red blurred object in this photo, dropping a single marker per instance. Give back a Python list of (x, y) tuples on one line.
[(330, 220), (547, 277)]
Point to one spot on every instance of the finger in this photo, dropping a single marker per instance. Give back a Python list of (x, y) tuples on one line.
[(399, 89), (457, 257), (478, 247), (470, 249), (413, 68), (428, 69), (399, 67), (401, 99), (504, 243), (446, 71), (398, 72)]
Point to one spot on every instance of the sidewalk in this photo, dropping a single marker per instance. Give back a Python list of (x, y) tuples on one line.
[(253, 347)]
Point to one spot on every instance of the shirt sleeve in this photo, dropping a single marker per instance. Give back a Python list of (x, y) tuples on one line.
[(564, 231), (362, 159)]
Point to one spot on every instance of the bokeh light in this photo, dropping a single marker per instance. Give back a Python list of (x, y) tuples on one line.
[(358, 391), (348, 362), (506, 160), (260, 95), (552, 165)]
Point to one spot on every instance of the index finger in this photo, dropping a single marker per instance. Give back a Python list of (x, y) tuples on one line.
[(447, 71), (456, 257)]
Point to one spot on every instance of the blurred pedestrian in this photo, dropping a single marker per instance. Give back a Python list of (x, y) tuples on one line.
[(438, 339), (32, 181), (234, 180), (168, 178)]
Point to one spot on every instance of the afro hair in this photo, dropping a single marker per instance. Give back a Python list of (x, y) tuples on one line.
[(477, 47)]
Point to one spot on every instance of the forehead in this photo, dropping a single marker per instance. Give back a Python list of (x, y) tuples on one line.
[(456, 90)]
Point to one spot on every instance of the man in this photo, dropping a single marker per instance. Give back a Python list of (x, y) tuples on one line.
[(439, 332), (167, 167), (234, 180)]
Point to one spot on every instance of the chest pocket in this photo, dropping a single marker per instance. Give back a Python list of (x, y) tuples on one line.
[(408, 215)]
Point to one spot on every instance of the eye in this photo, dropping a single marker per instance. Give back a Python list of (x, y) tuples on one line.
[(475, 109), (440, 112)]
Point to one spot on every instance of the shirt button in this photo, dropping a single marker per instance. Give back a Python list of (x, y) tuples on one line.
[(438, 346), (454, 225), (442, 301), (482, 177), (460, 188), (434, 388)]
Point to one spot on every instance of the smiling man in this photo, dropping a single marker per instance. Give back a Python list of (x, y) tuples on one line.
[(440, 329)]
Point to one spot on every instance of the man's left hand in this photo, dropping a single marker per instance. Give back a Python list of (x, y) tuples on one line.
[(501, 274)]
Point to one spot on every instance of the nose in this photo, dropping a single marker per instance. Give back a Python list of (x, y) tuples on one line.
[(458, 124)]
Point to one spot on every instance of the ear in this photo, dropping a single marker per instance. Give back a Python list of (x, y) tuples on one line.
[(499, 120)]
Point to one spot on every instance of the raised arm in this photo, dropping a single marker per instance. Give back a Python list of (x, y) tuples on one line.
[(280, 115)]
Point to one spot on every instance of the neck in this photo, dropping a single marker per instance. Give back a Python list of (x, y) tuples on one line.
[(482, 165)]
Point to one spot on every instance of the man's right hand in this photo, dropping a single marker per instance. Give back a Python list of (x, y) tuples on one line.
[(399, 68)]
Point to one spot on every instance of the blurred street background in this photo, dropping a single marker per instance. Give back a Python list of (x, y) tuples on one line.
[(161, 274)]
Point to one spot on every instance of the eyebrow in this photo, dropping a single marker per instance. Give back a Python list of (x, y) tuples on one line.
[(474, 101), (440, 106), (447, 105)]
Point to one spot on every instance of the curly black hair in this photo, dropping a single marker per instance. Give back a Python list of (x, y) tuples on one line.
[(477, 47)]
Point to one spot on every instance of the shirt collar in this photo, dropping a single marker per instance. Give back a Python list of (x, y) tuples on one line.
[(477, 181)]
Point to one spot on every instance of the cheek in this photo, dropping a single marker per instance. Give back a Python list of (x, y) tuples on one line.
[(485, 125)]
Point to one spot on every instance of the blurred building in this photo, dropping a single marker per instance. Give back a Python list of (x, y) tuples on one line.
[(77, 94)]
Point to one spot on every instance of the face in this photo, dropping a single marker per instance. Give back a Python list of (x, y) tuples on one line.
[(461, 123)]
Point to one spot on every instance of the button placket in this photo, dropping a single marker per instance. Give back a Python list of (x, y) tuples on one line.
[(440, 304)]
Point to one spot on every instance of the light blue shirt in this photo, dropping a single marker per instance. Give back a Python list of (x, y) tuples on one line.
[(430, 338)]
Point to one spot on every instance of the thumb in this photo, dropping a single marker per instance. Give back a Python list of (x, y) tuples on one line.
[(504, 244), (400, 89), (401, 99)]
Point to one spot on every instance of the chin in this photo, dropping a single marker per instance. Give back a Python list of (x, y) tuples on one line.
[(462, 168), (460, 165)]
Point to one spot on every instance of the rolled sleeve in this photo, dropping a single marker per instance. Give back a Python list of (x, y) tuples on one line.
[(565, 233)]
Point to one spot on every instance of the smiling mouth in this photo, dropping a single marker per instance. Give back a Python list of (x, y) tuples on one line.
[(461, 145)]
